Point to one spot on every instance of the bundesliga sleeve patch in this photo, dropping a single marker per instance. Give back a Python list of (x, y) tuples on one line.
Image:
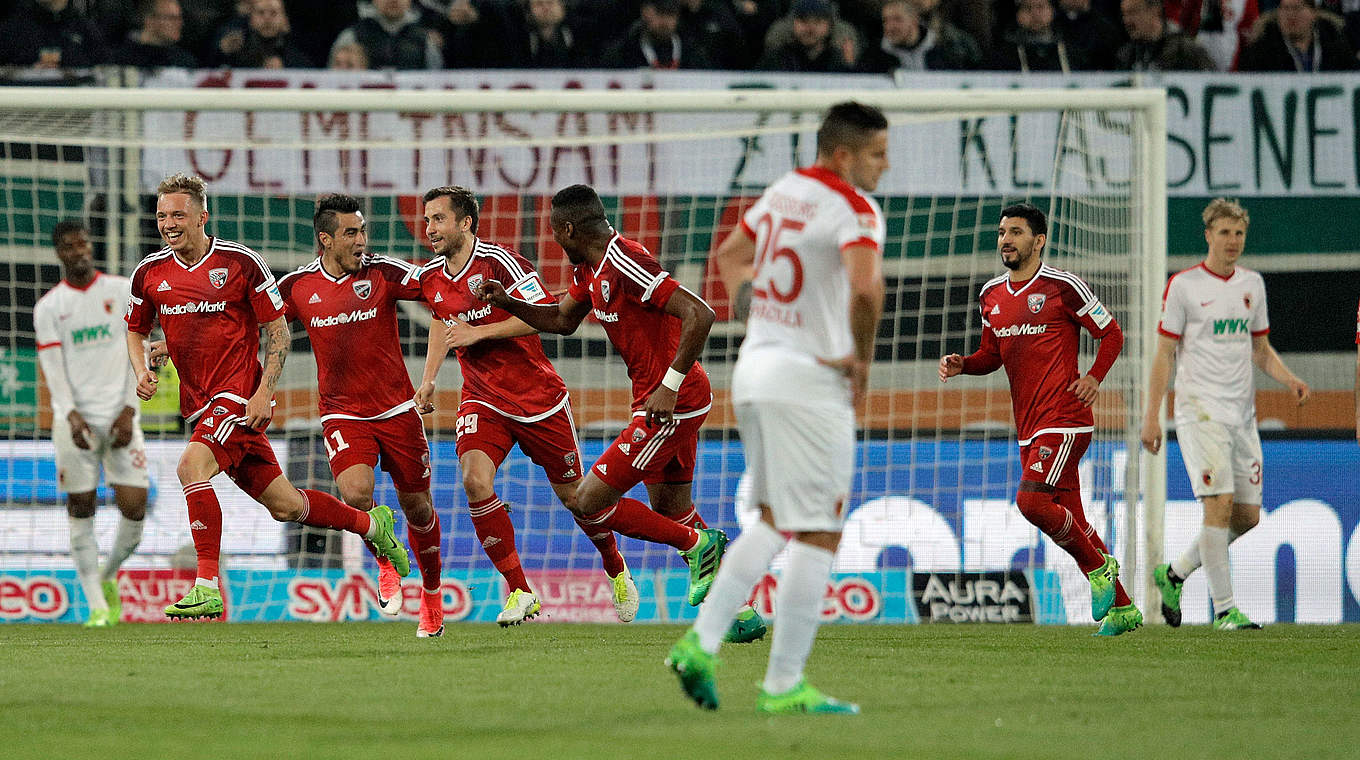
[(530, 290), (1099, 315), (867, 222), (274, 297)]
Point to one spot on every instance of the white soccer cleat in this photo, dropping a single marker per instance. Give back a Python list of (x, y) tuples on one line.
[(389, 588), (626, 597), (520, 606)]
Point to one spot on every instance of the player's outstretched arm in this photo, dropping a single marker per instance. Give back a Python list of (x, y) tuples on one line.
[(147, 379), (259, 409), (696, 319), (1158, 377), (435, 351), (1265, 357), (735, 259), (561, 318)]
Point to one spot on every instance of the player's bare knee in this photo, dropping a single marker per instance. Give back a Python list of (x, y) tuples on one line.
[(1244, 520), (417, 507), (80, 505), (190, 470), (479, 486), (134, 512), (284, 508), (357, 498)]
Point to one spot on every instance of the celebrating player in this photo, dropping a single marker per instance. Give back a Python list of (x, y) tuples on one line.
[(367, 407), (210, 296), (511, 393), (95, 416), (809, 251), (658, 328), (1214, 326), (1030, 325)]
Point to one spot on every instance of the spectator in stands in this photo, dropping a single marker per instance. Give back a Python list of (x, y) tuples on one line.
[(1295, 37), (1154, 47), (49, 34), (976, 18), (910, 44), (230, 35), (351, 57), (755, 17), (712, 26), (533, 34), (393, 36), (1349, 13), (265, 43), (156, 43), (1094, 35), (816, 42), (317, 23), (1032, 43), (1221, 27), (473, 35), (654, 42)]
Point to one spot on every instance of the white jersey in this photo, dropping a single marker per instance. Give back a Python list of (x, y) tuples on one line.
[(82, 345), (1215, 320), (800, 297)]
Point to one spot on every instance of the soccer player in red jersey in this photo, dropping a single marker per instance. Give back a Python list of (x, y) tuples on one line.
[(346, 299), (658, 328), (511, 393), (210, 297), (1031, 322)]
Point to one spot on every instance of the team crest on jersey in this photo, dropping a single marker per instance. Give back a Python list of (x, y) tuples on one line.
[(1045, 452), (474, 282), (604, 290), (638, 435), (218, 277), (1036, 302), (108, 306), (363, 288), (219, 411), (569, 459), (1246, 300)]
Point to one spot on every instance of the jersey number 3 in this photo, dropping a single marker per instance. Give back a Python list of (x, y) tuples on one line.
[(763, 285)]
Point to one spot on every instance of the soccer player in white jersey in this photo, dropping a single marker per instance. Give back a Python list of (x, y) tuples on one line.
[(811, 248), (1214, 327), (95, 420)]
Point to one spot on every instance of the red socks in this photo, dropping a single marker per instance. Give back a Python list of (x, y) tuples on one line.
[(322, 510), (205, 525), (1057, 522), (605, 544), (1071, 500), (692, 518), (632, 518), (425, 544), (497, 536)]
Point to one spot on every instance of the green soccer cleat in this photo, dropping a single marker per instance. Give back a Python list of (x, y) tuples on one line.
[(100, 619), (114, 601), (695, 668), (1102, 581), (703, 561), (747, 626), (200, 602), (803, 699), (1171, 595), (1234, 620), (1121, 620), (386, 540)]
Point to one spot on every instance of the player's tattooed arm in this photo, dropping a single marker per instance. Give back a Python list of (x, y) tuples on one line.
[(259, 409)]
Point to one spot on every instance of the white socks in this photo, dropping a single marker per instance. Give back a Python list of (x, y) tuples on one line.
[(125, 542), (745, 562), (85, 554), (798, 612), (1213, 550), (1189, 562)]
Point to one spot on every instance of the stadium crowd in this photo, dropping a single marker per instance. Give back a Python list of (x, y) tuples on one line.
[(874, 36)]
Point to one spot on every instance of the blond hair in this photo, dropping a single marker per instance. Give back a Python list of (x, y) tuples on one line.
[(192, 186), (1223, 208)]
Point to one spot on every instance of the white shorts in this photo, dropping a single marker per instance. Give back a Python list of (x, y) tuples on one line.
[(78, 469), (1222, 459), (800, 460)]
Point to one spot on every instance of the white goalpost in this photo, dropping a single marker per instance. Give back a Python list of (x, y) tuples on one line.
[(937, 467)]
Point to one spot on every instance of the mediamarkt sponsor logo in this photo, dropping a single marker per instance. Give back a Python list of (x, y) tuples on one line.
[(1024, 329), (474, 314), (345, 317), (199, 307), (606, 316)]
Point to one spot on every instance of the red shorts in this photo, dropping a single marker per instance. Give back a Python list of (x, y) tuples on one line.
[(243, 453), (398, 442), (651, 454), (1052, 459), (549, 442)]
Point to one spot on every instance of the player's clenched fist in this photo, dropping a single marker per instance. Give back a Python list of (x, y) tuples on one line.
[(492, 292), (146, 384), (950, 366)]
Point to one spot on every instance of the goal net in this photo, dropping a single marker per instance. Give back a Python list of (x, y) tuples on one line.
[(931, 530)]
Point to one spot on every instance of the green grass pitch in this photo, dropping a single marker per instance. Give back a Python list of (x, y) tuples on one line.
[(366, 690)]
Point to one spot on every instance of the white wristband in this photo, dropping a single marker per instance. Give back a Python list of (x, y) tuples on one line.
[(673, 379)]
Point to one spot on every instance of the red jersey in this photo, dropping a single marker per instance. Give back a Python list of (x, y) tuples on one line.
[(1032, 329), (512, 376), (629, 291), (211, 313), (352, 324)]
